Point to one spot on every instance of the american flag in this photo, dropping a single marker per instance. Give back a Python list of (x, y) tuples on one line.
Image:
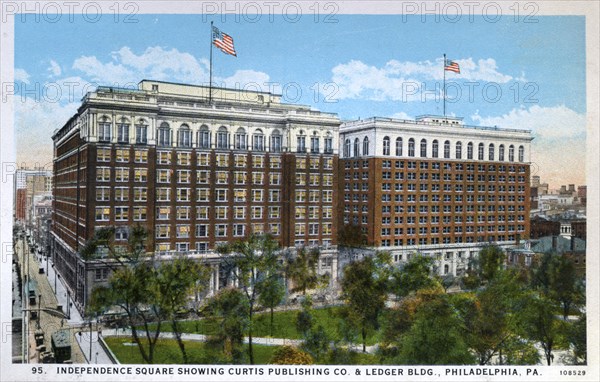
[(223, 41), (452, 66)]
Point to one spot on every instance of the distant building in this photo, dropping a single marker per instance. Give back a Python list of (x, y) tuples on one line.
[(29, 185), (541, 227)]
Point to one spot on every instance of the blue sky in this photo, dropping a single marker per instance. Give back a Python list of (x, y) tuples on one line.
[(513, 74)]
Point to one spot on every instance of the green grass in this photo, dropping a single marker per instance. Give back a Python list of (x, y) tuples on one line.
[(284, 325), (167, 352)]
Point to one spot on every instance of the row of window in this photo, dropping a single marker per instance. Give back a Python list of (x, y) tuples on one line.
[(203, 137), (458, 149), (398, 242), (448, 230), (203, 246), (184, 231)]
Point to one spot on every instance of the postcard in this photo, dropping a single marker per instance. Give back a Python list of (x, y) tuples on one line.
[(299, 190)]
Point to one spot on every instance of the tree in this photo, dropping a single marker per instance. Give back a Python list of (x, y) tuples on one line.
[(483, 268), (351, 236), (131, 285), (254, 261), (271, 295), (176, 280), (413, 275), (577, 337), (290, 355), (316, 343), (230, 305), (301, 269), (539, 323), (304, 318), (435, 336), (364, 291), (564, 285)]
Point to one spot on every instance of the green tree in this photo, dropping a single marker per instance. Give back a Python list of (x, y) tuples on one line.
[(316, 343), (351, 236), (539, 323), (365, 290), (483, 268), (301, 269), (290, 355), (414, 275), (254, 262), (176, 280), (271, 295), (304, 318), (565, 286), (131, 286), (231, 307), (435, 336), (577, 337)]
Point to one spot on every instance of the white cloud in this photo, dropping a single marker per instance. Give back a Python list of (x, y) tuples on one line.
[(558, 148), (21, 75), (252, 79), (54, 69), (404, 81), (558, 122), (35, 122), (401, 115)]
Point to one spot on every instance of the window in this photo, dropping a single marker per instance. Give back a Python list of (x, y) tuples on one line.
[(183, 176), (104, 130), (183, 213), (239, 212), (183, 194), (258, 141), (386, 145), (511, 153), (470, 150), (423, 148), (258, 161), (141, 156), (164, 134), (141, 132), (102, 194), (276, 141), (221, 195), (103, 154), (202, 213), (184, 158), (163, 176), (239, 195), (314, 145), (183, 230), (275, 179), (102, 213), (239, 230), (163, 157), (204, 137), (222, 138), (121, 194), (398, 146), (140, 194), (163, 194), (347, 148), (435, 149), (458, 150), (239, 141), (122, 174), (501, 153), (411, 147), (480, 151), (301, 143), (521, 154), (239, 177), (257, 212), (356, 147), (121, 213), (123, 131), (202, 194), (274, 212), (163, 231), (184, 138), (328, 144), (139, 213), (447, 149), (491, 151)]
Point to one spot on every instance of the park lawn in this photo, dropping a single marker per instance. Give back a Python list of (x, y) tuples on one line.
[(284, 325), (167, 352)]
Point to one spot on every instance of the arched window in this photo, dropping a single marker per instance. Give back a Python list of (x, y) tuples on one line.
[(423, 148), (511, 153), (491, 151), (435, 149), (399, 147), (204, 137), (222, 138), (104, 127), (501, 153), (123, 131), (480, 151), (458, 150), (356, 147), (521, 154), (470, 150), (411, 147), (328, 143), (315, 143), (184, 138), (239, 139), (386, 145), (366, 146), (447, 149), (164, 134), (276, 141), (301, 142), (141, 132), (347, 148), (258, 140)]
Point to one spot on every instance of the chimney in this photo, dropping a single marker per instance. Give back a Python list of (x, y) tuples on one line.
[(554, 242), (571, 188), (563, 189), (572, 244)]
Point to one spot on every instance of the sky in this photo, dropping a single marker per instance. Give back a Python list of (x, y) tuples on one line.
[(513, 74)]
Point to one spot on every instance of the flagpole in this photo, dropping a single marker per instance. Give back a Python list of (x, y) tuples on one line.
[(444, 90), (210, 66)]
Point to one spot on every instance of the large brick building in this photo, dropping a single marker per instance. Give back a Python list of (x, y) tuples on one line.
[(194, 173), (435, 186)]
